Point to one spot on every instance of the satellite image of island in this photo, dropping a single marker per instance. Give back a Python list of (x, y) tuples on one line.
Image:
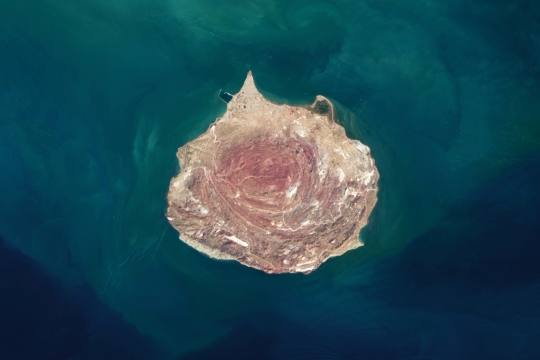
[(269, 179), (276, 187)]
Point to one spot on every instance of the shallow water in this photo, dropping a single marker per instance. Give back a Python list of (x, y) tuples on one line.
[(96, 96)]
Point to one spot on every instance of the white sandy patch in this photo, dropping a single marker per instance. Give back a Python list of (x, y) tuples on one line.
[(340, 152), (305, 269), (305, 263), (366, 178), (341, 175), (291, 191), (203, 210), (236, 240), (361, 147), (299, 129), (301, 132)]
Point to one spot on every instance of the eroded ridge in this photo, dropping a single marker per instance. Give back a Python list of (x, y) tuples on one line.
[(278, 188)]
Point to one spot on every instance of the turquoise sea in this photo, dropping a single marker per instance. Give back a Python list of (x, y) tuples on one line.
[(97, 95)]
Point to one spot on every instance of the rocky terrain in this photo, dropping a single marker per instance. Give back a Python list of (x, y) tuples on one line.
[(275, 187)]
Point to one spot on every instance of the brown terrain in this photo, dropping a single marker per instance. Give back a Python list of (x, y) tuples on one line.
[(275, 187)]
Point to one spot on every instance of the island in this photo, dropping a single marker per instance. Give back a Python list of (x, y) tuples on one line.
[(278, 188)]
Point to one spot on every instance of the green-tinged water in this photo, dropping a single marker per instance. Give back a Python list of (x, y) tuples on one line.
[(96, 97)]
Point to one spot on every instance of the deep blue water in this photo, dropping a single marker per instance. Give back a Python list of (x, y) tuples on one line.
[(96, 96)]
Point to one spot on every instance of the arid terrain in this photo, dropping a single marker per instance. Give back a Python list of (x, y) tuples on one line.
[(275, 187)]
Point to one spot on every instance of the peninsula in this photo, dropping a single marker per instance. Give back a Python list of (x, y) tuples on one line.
[(276, 187)]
